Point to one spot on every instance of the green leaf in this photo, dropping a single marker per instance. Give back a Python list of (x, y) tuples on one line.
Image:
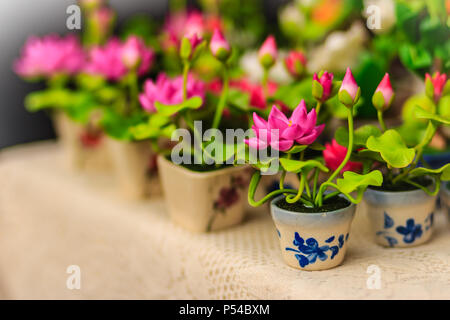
[(169, 110), (360, 136), (423, 114), (392, 149), (353, 181), (238, 99), (296, 165), (316, 146), (156, 126), (297, 149), (443, 172), (367, 154)]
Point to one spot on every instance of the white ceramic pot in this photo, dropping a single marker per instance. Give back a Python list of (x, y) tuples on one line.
[(83, 146), (135, 168), (312, 241), (204, 201), (400, 219), (445, 197)]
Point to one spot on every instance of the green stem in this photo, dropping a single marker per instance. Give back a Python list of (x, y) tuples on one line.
[(252, 190), (185, 77), (431, 193), (316, 178), (318, 106), (346, 159), (134, 91), (381, 120), (222, 101), (265, 82)]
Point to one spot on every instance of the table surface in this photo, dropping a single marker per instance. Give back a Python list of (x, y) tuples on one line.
[(52, 218)]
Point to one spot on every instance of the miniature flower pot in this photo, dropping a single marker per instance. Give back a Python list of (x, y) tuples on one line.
[(312, 241), (445, 197), (400, 219), (204, 201), (135, 168), (83, 146)]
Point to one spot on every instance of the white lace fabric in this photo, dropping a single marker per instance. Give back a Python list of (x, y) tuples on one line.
[(51, 218)]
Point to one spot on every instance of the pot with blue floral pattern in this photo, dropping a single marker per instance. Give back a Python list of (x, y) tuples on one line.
[(445, 197), (312, 241), (400, 218)]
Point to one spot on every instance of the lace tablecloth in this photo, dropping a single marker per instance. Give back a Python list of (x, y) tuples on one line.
[(51, 218)]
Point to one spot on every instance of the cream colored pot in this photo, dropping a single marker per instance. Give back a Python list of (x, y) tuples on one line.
[(83, 146), (445, 197), (204, 201), (312, 241), (400, 219), (135, 169)]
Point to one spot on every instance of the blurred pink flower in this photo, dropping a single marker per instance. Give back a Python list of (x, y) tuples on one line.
[(438, 80), (169, 91), (300, 128), (295, 63), (219, 46), (326, 81), (268, 52), (134, 53), (334, 154), (102, 19), (49, 55), (107, 60), (186, 23)]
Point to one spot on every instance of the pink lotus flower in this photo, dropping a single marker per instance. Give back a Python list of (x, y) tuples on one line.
[(385, 88), (169, 91), (50, 55), (334, 154), (268, 52), (326, 82), (438, 81), (350, 86), (180, 24), (295, 63), (108, 61), (219, 46), (134, 53), (281, 133)]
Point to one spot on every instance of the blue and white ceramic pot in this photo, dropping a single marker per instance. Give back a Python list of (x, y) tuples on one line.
[(445, 197), (313, 241), (400, 219)]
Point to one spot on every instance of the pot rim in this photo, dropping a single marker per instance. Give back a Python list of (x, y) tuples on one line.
[(310, 214), (205, 174), (407, 192)]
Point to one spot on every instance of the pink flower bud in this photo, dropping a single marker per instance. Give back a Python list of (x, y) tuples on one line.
[(268, 52), (131, 52), (195, 40), (326, 81), (385, 88), (219, 46), (295, 63), (349, 92), (438, 82)]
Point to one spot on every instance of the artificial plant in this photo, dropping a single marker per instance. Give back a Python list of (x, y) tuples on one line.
[(386, 148), (292, 138)]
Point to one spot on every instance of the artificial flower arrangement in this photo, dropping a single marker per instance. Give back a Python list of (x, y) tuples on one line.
[(202, 192), (71, 95), (313, 221), (401, 211)]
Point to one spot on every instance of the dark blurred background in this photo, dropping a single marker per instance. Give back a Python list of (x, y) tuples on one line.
[(22, 18)]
